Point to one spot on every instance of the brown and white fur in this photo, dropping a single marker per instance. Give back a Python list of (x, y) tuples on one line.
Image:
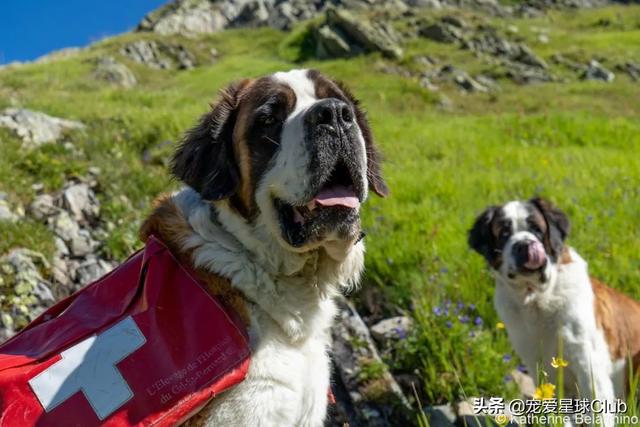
[(544, 292), (275, 175)]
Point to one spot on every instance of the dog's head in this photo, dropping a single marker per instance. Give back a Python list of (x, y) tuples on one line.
[(521, 240), (292, 151)]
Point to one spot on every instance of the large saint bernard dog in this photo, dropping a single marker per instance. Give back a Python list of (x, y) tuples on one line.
[(270, 218), (543, 291)]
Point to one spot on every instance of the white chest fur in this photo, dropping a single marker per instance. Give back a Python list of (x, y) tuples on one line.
[(291, 309), (563, 310)]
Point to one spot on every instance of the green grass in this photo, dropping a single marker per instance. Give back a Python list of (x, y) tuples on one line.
[(577, 143)]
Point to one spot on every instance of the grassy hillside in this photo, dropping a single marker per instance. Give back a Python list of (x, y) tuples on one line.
[(576, 142)]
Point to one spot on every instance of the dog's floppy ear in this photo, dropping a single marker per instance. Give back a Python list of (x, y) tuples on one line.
[(480, 237), (374, 158), (205, 159), (558, 225)]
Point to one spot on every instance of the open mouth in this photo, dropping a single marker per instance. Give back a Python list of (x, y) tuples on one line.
[(335, 207)]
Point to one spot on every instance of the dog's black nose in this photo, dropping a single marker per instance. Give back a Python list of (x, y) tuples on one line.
[(521, 252), (331, 113)]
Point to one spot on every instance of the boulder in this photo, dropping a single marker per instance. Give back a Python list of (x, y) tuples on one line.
[(80, 201), (7, 214), (468, 84), (441, 32), (91, 269), (391, 329), (595, 71), (36, 128), (190, 17), (367, 35), (112, 71), (332, 43), (24, 293), (160, 56), (253, 13), (43, 207)]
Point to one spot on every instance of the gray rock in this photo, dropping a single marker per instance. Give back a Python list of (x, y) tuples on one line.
[(442, 32), (190, 17), (81, 202), (78, 240), (24, 293), (36, 128), (394, 328), (430, 4), (370, 389), (112, 71), (524, 74), (595, 71), (147, 53), (372, 37), (468, 84), (331, 43), (523, 54), (43, 207), (159, 56), (253, 13), (91, 270), (6, 213)]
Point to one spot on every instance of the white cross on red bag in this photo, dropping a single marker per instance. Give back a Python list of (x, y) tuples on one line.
[(144, 345)]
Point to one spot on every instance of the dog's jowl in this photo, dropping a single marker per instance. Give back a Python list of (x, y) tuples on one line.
[(275, 176), (544, 295)]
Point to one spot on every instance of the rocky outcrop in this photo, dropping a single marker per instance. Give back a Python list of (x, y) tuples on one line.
[(346, 34), (160, 56), (193, 17), (35, 128), (114, 72), (367, 393), (520, 62), (73, 215)]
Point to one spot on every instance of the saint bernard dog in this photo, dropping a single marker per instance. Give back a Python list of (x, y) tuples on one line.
[(275, 175), (544, 295)]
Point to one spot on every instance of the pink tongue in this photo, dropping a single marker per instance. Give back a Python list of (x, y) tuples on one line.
[(338, 196), (536, 256)]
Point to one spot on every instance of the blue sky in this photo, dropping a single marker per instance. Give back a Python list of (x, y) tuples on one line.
[(31, 28)]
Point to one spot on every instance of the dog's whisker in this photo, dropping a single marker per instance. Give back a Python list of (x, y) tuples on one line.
[(271, 140)]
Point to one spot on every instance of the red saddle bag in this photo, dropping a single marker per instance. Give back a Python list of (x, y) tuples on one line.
[(144, 345)]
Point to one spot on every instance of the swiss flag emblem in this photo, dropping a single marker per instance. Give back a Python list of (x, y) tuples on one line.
[(145, 345)]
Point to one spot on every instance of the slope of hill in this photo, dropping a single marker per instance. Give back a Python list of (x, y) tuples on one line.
[(470, 107)]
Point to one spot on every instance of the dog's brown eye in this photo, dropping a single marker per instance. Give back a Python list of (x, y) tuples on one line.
[(268, 120)]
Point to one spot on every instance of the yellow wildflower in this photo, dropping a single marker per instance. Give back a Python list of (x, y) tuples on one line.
[(545, 391), (559, 362), (499, 325), (502, 419)]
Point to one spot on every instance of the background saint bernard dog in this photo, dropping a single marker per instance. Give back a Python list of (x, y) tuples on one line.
[(275, 173), (543, 290)]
